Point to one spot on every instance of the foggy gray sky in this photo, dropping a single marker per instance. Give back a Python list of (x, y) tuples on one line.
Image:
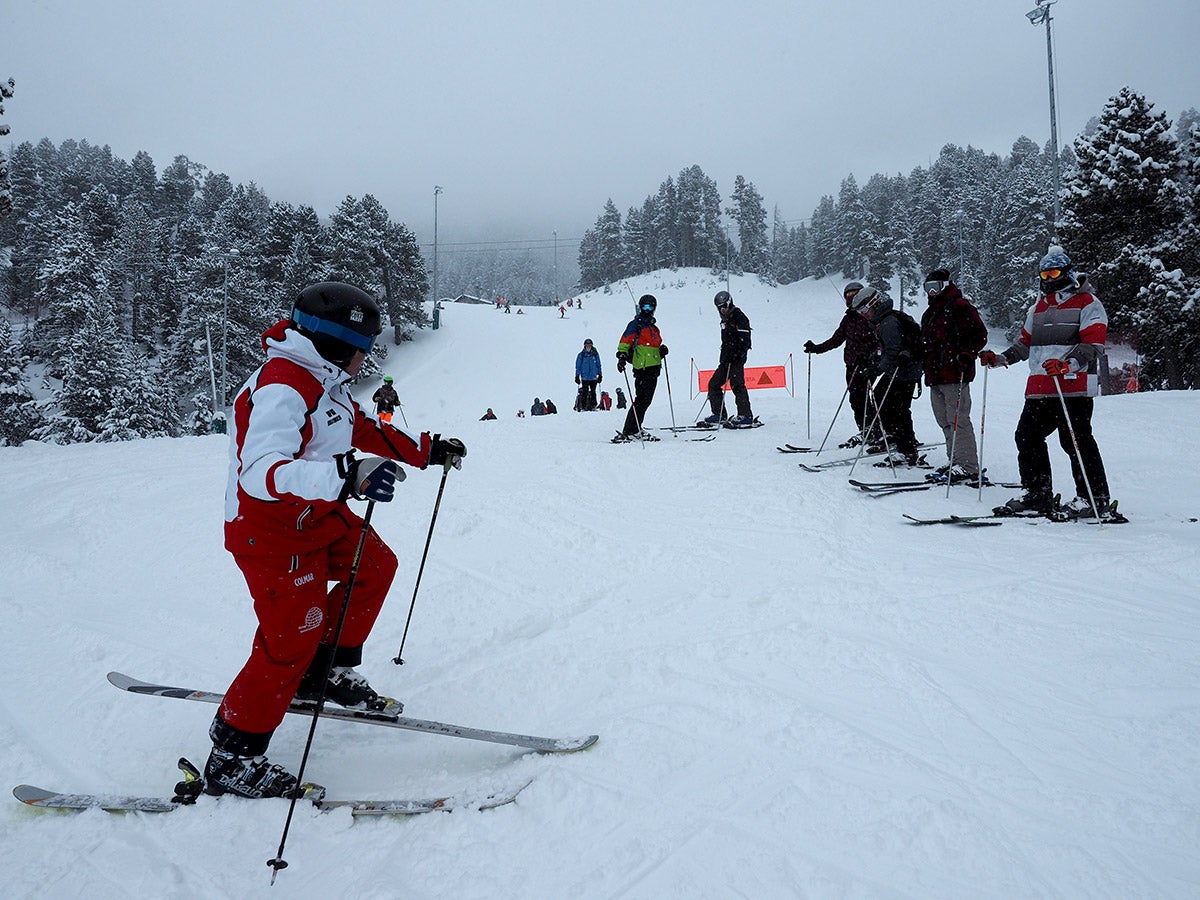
[(531, 114)]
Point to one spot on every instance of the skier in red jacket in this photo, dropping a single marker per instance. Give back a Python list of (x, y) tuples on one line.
[(291, 531)]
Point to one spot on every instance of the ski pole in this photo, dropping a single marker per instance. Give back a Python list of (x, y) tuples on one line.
[(633, 406), (982, 419), (879, 405), (954, 435), (845, 393), (1075, 443), (279, 862), (421, 568), (808, 404), (400, 406), (670, 401), (887, 447)]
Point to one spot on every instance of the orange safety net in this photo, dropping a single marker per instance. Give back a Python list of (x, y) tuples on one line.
[(756, 377)]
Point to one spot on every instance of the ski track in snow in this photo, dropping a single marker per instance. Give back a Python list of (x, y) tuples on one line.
[(797, 692)]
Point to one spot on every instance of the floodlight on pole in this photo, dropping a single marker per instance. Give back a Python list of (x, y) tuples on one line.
[(1041, 15), (437, 189)]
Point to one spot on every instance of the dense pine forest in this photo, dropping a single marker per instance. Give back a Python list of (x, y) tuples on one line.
[(133, 298)]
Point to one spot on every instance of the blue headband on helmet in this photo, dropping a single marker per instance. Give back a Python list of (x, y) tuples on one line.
[(363, 342)]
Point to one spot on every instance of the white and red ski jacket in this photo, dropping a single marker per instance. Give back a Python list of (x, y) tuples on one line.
[(291, 419), (1070, 325)]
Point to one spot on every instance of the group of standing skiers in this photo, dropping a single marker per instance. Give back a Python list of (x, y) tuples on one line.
[(887, 353)]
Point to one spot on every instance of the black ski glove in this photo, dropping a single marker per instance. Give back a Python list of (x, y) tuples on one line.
[(368, 479), (662, 350), (810, 347), (448, 449), (622, 360)]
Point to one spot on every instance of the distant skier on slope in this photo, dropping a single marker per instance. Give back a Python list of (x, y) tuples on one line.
[(291, 532), (386, 400)]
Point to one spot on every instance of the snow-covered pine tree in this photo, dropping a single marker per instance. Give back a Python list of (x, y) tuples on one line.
[(1015, 236), (72, 285), (610, 245), (141, 405), (143, 180), (410, 280), (663, 226), (134, 260), (1123, 208), (824, 256), (6, 201), (94, 363), (750, 217), (590, 274), (636, 252), (19, 414), (851, 228)]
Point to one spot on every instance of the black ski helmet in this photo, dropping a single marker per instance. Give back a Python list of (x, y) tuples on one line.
[(722, 299), (850, 290), (338, 318), (647, 303)]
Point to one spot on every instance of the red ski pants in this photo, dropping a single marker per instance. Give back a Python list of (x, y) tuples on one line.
[(297, 610)]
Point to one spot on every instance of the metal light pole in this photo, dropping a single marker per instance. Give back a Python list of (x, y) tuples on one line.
[(225, 328), (555, 266), (437, 189), (1037, 17)]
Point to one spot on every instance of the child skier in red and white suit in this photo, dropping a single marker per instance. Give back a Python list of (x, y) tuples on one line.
[(292, 533)]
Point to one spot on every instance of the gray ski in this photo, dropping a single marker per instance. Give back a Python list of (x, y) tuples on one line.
[(529, 742), (44, 798)]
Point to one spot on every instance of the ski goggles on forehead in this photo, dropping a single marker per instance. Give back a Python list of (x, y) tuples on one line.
[(363, 342), (1047, 274), (936, 286)]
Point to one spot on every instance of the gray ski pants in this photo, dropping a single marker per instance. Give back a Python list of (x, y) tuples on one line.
[(945, 398)]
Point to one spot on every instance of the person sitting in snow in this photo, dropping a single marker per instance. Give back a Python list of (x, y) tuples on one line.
[(551, 409), (487, 415), (538, 408)]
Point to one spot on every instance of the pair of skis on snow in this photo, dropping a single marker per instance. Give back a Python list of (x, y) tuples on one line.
[(847, 461), (188, 789), (1111, 517), (887, 488)]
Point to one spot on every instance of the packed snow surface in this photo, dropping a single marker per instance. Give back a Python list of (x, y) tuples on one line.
[(797, 692)]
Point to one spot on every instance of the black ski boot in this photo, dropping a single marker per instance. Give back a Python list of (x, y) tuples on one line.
[(347, 688), (246, 776), (1029, 505)]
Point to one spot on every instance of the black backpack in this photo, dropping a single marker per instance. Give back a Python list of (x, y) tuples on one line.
[(912, 341)]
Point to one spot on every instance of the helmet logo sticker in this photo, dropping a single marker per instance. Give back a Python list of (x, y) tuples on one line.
[(356, 314)]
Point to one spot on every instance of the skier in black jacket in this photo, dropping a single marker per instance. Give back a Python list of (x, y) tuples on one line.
[(731, 367)]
